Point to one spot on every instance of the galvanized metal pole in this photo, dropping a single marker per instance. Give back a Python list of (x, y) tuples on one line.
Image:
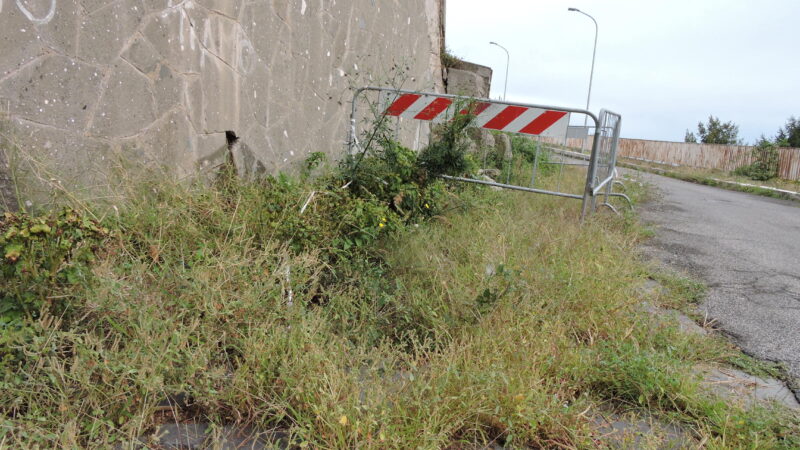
[(535, 163), (508, 62), (591, 73)]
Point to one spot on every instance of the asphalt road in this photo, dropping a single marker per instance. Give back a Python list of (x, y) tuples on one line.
[(747, 249)]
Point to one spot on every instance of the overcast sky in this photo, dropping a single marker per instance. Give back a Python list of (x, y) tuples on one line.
[(664, 65)]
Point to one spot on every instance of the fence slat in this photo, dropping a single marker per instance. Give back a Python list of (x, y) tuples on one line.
[(704, 156)]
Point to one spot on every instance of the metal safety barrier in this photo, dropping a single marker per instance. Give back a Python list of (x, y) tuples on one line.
[(520, 118)]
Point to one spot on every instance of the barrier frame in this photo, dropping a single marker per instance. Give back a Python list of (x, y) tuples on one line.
[(593, 185)]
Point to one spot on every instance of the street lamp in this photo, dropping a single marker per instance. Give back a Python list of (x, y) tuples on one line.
[(591, 74), (508, 60)]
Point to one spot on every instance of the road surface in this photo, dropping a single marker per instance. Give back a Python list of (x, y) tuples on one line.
[(747, 249)]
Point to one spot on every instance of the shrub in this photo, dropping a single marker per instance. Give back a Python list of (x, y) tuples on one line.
[(43, 258), (526, 148), (765, 166)]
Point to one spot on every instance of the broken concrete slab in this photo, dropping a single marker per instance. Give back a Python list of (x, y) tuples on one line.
[(685, 323), (738, 386), (233, 437), (633, 431), (183, 436)]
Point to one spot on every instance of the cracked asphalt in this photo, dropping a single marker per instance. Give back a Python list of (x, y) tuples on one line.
[(747, 249)]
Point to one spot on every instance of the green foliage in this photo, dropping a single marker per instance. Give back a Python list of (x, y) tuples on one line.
[(43, 260), (43, 257), (715, 132), (526, 148), (330, 308), (789, 134), (449, 59), (447, 154), (765, 164), (404, 181), (313, 162), (640, 376)]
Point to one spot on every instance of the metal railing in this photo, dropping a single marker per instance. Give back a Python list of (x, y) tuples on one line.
[(601, 166)]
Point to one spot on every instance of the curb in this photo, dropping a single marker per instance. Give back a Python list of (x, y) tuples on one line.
[(765, 191)]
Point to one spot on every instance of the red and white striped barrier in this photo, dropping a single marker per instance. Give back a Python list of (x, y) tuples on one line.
[(492, 116)]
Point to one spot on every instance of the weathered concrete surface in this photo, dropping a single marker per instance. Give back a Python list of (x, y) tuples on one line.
[(633, 431), (737, 386), (86, 82), (746, 248), (467, 78)]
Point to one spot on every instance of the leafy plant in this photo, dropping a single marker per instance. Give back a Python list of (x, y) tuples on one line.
[(41, 256), (527, 148), (765, 166), (449, 59), (447, 155)]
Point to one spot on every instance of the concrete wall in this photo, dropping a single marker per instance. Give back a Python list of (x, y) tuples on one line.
[(466, 78), (161, 81)]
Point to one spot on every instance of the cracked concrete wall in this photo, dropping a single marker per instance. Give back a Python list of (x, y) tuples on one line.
[(89, 83)]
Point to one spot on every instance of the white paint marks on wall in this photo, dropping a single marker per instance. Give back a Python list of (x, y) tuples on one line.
[(246, 55), (303, 7), (36, 20)]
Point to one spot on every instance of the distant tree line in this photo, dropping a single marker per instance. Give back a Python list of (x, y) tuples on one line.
[(717, 132), (765, 151)]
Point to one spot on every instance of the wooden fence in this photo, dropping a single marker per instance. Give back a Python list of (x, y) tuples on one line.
[(705, 156)]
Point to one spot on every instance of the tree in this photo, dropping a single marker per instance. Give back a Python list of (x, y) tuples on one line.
[(765, 161), (715, 132), (789, 134)]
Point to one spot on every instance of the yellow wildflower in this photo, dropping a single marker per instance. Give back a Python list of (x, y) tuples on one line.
[(381, 225), (427, 206), (343, 421)]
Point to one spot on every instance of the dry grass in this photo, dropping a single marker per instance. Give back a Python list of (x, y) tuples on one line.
[(503, 320)]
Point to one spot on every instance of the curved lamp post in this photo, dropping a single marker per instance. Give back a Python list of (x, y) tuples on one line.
[(508, 61), (591, 73)]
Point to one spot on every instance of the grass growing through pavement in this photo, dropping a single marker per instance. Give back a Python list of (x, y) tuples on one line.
[(495, 318), (684, 294)]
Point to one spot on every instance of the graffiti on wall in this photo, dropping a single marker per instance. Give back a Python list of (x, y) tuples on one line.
[(39, 14)]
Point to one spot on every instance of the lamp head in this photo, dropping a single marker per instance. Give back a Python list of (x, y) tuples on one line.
[(573, 9)]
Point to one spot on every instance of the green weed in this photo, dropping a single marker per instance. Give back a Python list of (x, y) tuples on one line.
[(353, 315)]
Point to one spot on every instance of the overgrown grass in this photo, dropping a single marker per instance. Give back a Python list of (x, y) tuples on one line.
[(722, 179), (482, 317)]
